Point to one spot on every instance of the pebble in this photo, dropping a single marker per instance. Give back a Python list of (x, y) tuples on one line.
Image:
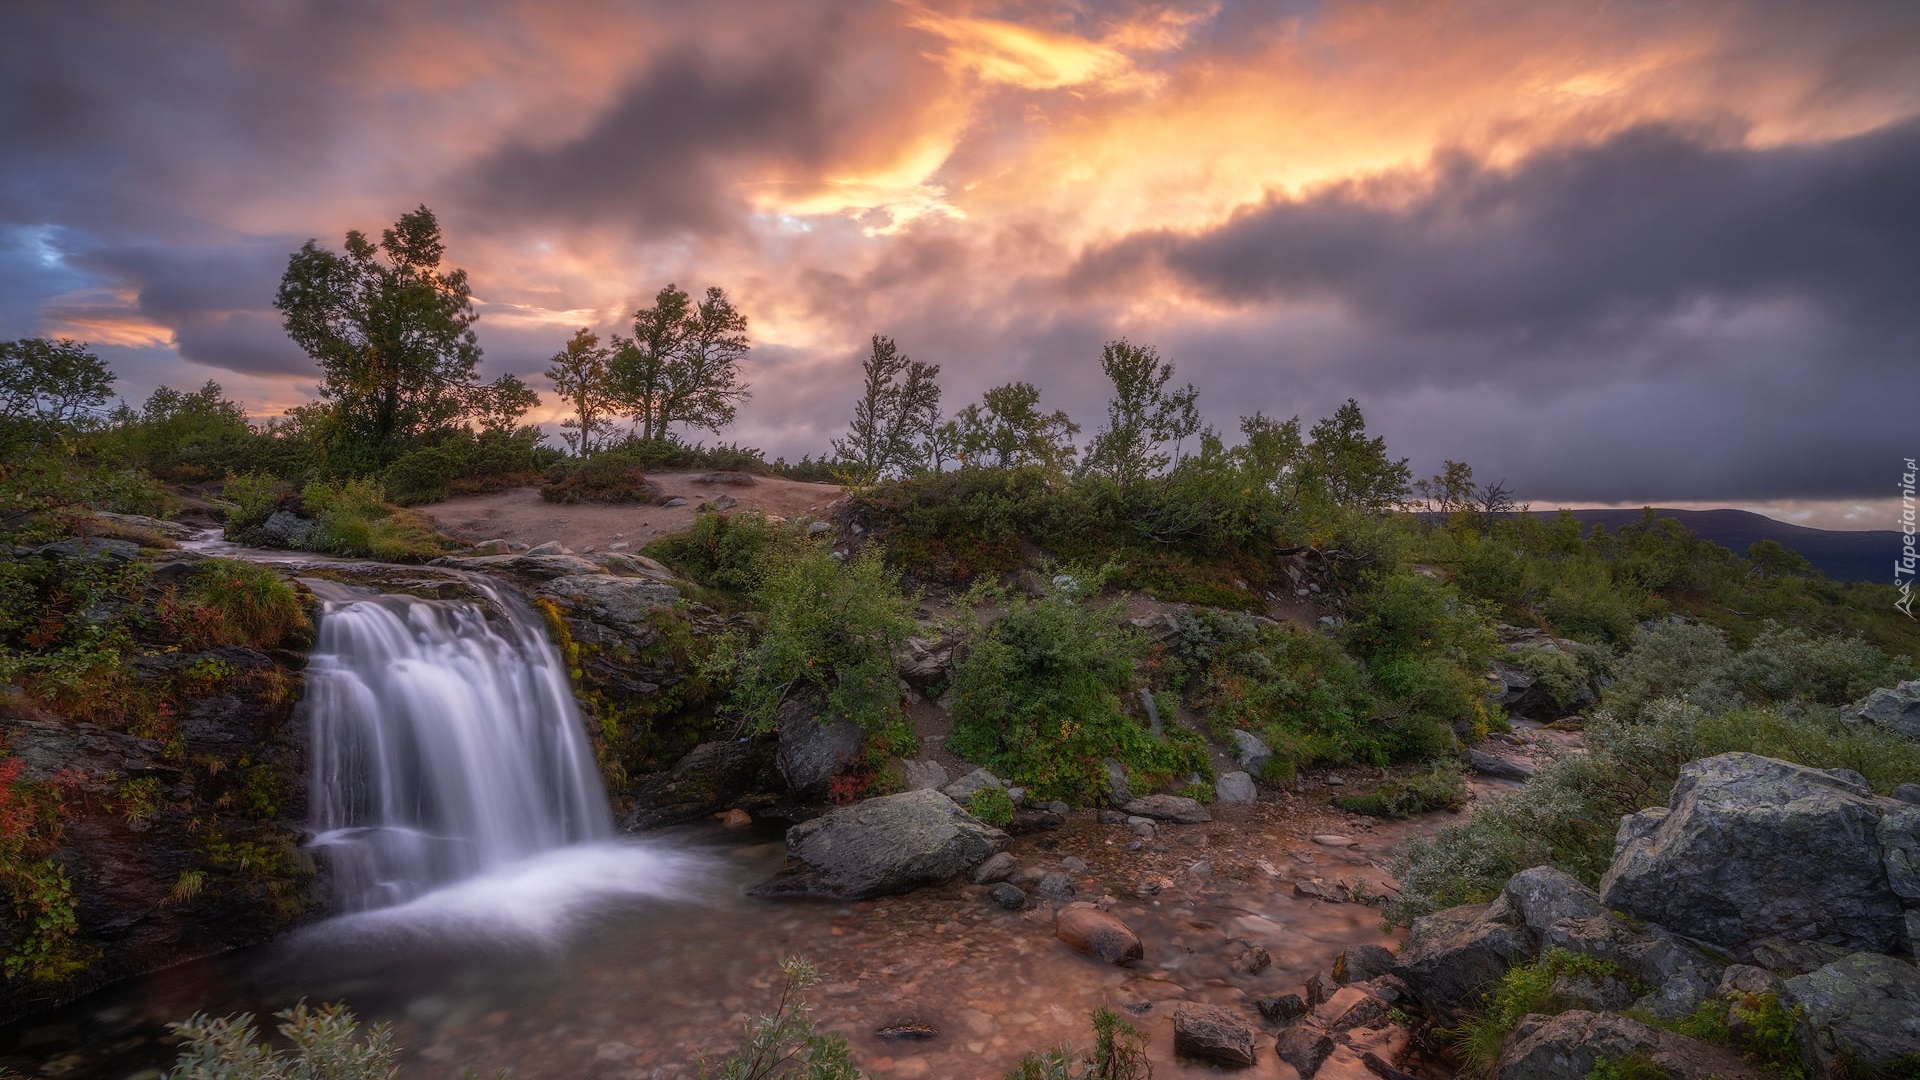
[(1333, 840)]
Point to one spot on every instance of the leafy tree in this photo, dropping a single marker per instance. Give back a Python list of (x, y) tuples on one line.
[(1352, 469), (185, 435), (1273, 458), (582, 374), (1142, 416), (896, 420), (682, 365), (1771, 559), (393, 335), (49, 386), (1007, 429)]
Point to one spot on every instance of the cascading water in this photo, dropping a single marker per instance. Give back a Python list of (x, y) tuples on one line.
[(446, 744)]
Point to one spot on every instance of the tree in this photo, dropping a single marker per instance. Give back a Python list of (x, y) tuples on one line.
[(582, 374), (897, 419), (1771, 559), (50, 386), (1352, 469), (1142, 417), (682, 365), (1273, 458), (393, 335), (1007, 429)]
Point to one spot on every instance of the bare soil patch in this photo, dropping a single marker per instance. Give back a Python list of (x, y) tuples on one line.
[(520, 515)]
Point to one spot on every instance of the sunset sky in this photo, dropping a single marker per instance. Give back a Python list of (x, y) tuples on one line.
[(1615, 252)]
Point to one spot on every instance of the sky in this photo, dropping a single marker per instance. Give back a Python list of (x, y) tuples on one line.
[(1611, 253)]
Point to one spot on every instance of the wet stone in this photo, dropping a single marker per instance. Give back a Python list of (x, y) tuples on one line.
[(1282, 1008), (1007, 896), (1211, 1033)]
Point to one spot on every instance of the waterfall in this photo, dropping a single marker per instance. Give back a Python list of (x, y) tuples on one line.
[(446, 744)]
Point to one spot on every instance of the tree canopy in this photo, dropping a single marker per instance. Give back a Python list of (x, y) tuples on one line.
[(895, 420), (1007, 429), (1142, 416), (682, 365), (49, 386), (393, 335)]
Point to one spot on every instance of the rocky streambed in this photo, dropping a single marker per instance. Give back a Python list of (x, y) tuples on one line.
[(942, 982)]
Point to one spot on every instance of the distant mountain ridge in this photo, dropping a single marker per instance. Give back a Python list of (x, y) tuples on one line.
[(1841, 555)]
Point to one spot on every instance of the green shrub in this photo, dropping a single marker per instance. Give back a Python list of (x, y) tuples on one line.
[(1427, 648), (830, 630), (252, 497), (353, 518), (991, 805), (326, 1042), (1560, 673), (1631, 1067), (783, 1043), (1791, 664), (1672, 658), (730, 552), (1587, 602), (1443, 788), (462, 462), (1039, 697), (607, 477)]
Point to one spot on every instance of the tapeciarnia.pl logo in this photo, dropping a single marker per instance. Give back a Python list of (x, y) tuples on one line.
[(1904, 566)]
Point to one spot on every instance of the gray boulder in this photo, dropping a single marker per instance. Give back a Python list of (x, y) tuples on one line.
[(923, 660), (1252, 753), (95, 550), (1451, 956), (1568, 1046), (1235, 787), (1752, 846), (814, 747), (1897, 709), (1864, 1009), (620, 604), (286, 528), (1175, 808), (923, 773), (892, 844), (1119, 788), (963, 789)]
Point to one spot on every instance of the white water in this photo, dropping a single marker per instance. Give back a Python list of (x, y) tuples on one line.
[(446, 746)]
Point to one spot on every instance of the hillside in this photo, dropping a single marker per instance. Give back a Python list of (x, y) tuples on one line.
[(1841, 555)]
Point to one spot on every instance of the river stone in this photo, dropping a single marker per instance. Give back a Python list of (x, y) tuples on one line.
[(1865, 1006), (922, 660), (1487, 763), (1098, 934), (1175, 808), (1250, 751), (1235, 787), (95, 550), (1211, 1033), (1681, 975), (1897, 709), (1304, 1047), (1753, 846), (892, 844), (621, 604), (1282, 1008), (1451, 956), (1568, 1046), (551, 547), (998, 867), (1007, 895), (1119, 788), (1906, 793), (814, 748)]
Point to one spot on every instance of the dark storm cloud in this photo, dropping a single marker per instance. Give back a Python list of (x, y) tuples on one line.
[(1573, 240), (218, 302)]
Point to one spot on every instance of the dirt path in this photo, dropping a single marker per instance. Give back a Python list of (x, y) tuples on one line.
[(521, 516)]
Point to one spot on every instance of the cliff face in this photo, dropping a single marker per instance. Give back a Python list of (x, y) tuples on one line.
[(161, 820)]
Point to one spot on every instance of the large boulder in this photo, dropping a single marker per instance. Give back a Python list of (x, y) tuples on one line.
[(1559, 912), (713, 776), (1451, 956), (892, 844), (1751, 846), (1897, 709), (625, 605), (815, 746), (1863, 1009), (1568, 1046), (1175, 808)]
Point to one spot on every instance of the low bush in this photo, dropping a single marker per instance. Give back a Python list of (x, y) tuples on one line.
[(1525, 989), (462, 462), (992, 805), (353, 518), (1443, 788), (1040, 694), (1427, 648), (784, 1043), (730, 552), (606, 477), (1309, 701), (325, 1042), (243, 603)]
